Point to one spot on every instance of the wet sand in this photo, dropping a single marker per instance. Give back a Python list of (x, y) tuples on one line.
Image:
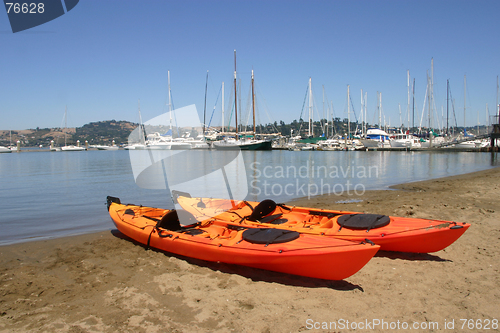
[(104, 283)]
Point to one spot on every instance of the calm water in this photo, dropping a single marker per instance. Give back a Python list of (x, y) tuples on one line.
[(53, 194)]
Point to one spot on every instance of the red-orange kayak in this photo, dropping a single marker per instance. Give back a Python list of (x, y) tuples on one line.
[(391, 233), (277, 250)]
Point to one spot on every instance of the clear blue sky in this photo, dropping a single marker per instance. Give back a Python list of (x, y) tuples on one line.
[(102, 56)]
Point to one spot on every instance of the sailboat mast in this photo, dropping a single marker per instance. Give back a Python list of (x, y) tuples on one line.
[(413, 111), (465, 83), (379, 112), (65, 123), (487, 120), (366, 110), (253, 106), (142, 132), (235, 96), (447, 105), (222, 128), (408, 106), (170, 106), (333, 120), (362, 110), (400, 120), (323, 86), (431, 105), (310, 107), (348, 115), (498, 105), (205, 106), (429, 88)]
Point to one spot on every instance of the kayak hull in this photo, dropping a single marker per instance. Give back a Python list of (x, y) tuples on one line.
[(308, 255), (401, 234)]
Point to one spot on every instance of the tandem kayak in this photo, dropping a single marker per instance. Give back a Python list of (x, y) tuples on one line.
[(284, 251), (399, 234)]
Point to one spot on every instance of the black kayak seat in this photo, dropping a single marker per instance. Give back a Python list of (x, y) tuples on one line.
[(264, 208), (269, 235), (129, 212), (363, 221), (172, 220)]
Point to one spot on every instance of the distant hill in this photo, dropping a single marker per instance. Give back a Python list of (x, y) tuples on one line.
[(102, 132)]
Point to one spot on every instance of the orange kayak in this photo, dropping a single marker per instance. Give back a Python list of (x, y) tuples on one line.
[(271, 249), (400, 234)]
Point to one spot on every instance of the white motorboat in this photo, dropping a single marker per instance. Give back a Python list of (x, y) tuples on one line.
[(376, 138), (69, 147), (402, 140), (138, 146), (469, 144), (165, 142), (73, 148), (101, 147), (330, 144), (5, 150), (437, 141)]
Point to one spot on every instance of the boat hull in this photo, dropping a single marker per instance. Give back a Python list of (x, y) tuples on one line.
[(401, 234), (219, 241), (261, 145), (73, 148), (370, 143), (5, 150)]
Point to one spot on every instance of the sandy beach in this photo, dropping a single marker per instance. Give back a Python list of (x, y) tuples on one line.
[(104, 283)]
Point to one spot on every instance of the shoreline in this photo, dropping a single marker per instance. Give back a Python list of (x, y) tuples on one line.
[(102, 282)]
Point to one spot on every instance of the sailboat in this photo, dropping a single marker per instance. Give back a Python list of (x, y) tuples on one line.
[(405, 139), (376, 137), (106, 147), (5, 150), (434, 140), (70, 147), (237, 143), (141, 144), (311, 139), (467, 143), (166, 142)]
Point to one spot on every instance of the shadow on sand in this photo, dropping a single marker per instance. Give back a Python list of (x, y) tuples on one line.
[(410, 256), (255, 274)]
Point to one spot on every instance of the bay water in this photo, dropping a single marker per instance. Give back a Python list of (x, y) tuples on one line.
[(54, 194)]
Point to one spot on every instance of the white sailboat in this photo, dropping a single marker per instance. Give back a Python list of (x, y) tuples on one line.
[(70, 147), (166, 142), (11, 147), (5, 150), (434, 140), (141, 144), (105, 147), (406, 140)]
